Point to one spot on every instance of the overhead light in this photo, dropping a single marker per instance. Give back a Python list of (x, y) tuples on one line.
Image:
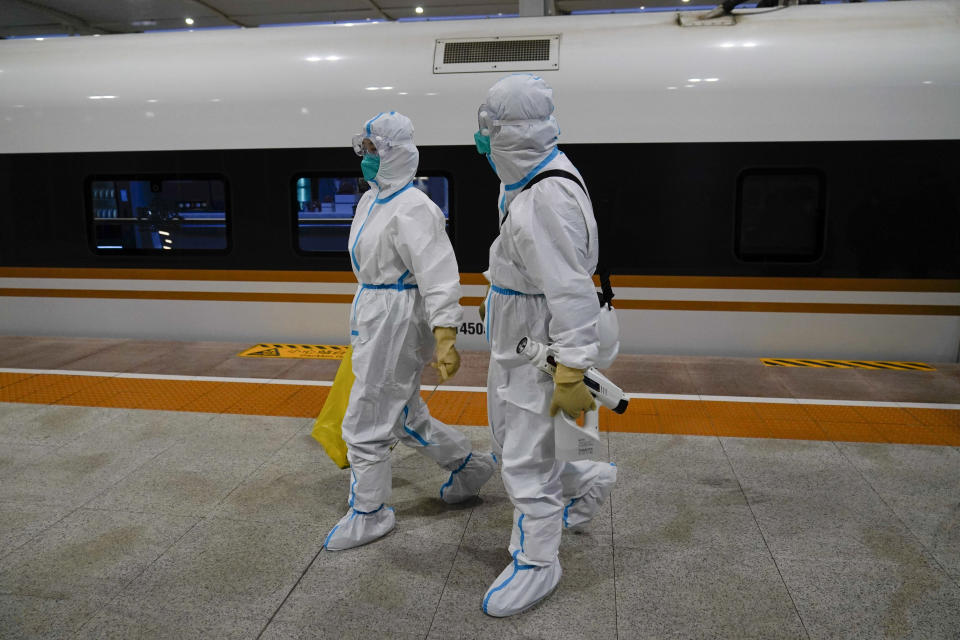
[(333, 58), (373, 88), (693, 80), (39, 39), (304, 111), (313, 59), (101, 97), (710, 79), (402, 93), (189, 20), (386, 88), (419, 10), (164, 233), (151, 100)]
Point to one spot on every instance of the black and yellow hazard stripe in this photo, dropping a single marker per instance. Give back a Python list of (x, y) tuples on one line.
[(847, 364), (313, 351)]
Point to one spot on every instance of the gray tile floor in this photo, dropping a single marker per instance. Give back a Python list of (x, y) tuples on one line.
[(144, 524), (147, 524)]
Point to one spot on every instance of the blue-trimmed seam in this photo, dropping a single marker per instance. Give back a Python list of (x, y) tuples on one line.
[(366, 513), (416, 436), (330, 535), (566, 510), (517, 567), (399, 286), (353, 486), (510, 292), (449, 481), (371, 121), (525, 179), (353, 249), (522, 535), (392, 195)]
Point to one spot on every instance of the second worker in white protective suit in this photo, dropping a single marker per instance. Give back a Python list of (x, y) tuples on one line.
[(540, 286), (407, 307)]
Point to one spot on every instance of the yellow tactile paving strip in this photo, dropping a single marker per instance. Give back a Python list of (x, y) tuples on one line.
[(894, 425)]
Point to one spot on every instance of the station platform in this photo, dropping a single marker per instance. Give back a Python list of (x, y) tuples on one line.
[(172, 490)]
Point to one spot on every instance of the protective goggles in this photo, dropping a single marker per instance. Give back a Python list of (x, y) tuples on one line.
[(366, 145), (486, 121)]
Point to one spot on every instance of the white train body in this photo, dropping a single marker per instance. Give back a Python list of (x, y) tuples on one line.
[(857, 72)]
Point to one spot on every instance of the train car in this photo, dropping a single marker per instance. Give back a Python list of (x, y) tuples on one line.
[(785, 185)]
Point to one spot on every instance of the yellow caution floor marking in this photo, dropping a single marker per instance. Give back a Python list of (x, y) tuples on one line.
[(899, 423), (847, 364), (312, 351)]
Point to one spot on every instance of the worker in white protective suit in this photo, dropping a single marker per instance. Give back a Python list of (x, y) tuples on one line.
[(540, 286), (405, 309)]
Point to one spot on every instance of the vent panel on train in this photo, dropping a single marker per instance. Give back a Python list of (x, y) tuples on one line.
[(497, 54)]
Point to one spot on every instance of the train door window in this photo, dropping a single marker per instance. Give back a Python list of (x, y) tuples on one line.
[(780, 215), (138, 214), (324, 207)]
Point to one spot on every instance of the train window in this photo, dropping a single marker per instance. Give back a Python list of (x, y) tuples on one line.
[(137, 214), (780, 215), (324, 207)]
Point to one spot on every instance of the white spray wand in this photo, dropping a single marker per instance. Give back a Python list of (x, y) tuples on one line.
[(571, 443)]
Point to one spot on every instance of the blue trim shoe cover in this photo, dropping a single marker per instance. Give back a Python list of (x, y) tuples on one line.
[(519, 587), (357, 528), (580, 510), (465, 481)]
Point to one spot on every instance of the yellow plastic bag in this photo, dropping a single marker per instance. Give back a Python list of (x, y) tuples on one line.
[(327, 430)]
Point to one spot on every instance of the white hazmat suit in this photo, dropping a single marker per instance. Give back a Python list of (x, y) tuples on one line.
[(541, 287), (409, 283)]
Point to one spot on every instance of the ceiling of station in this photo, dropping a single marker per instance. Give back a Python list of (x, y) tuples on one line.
[(84, 17)]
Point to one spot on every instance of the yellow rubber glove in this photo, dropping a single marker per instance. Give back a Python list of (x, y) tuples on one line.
[(483, 305), (447, 359), (569, 392)]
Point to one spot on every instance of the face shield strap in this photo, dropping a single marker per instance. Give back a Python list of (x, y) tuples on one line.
[(486, 121)]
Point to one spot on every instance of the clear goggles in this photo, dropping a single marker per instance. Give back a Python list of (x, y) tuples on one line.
[(486, 121), (366, 145)]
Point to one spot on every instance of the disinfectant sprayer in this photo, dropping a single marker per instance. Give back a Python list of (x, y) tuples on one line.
[(574, 442)]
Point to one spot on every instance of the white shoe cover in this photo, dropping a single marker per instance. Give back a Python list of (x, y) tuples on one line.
[(519, 587), (579, 511), (467, 478), (358, 528)]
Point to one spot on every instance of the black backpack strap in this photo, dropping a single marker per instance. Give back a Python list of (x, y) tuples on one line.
[(606, 291), (555, 173)]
